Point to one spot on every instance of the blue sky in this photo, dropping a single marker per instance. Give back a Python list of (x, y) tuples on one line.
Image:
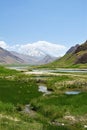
[(56, 21)]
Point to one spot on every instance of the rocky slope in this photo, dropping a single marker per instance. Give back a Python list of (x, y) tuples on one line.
[(76, 56), (81, 53), (72, 49), (7, 58)]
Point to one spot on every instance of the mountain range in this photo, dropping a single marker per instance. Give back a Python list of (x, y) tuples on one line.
[(74, 56), (7, 57), (39, 49), (35, 53)]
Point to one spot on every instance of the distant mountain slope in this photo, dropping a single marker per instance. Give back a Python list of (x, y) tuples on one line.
[(75, 57), (72, 49), (47, 59), (7, 58), (27, 59), (35, 60)]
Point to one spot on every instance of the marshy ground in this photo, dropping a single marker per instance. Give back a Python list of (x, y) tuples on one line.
[(24, 107)]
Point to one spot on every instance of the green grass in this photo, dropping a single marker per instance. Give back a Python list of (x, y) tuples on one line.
[(4, 72), (7, 124), (18, 90), (67, 61), (58, 105), (47, 112)]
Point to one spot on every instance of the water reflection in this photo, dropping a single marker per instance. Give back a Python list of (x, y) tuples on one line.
[(72, 92)]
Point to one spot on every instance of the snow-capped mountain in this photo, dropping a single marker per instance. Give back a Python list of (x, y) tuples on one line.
[(33, 60), (41, 48), (34, 52), (40, 52), (38, 49)]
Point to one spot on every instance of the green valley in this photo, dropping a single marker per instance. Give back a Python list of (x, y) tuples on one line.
[(23, 107), (46, 97)]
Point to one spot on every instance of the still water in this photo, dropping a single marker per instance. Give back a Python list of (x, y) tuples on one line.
[(72, 92)]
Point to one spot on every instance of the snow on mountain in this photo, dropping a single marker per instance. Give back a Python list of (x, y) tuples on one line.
[(38, 49), (33, 60), (32, 51), (42, 48)]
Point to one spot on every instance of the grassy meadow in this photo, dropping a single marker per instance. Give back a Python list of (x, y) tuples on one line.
[(55, 111)]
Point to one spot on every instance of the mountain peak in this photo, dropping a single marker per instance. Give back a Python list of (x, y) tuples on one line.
[(81, 47), (72, 49)]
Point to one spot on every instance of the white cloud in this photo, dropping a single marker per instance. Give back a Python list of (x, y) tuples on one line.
[(37, 48), (3, 45)]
